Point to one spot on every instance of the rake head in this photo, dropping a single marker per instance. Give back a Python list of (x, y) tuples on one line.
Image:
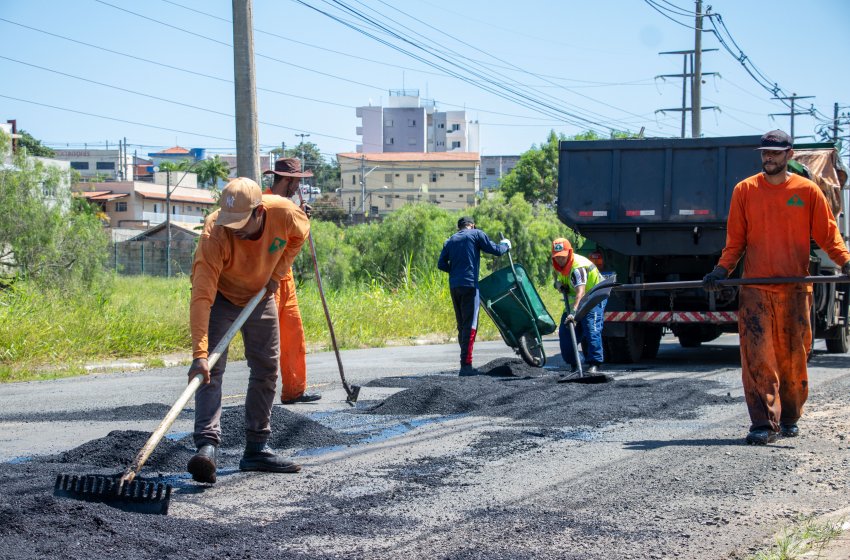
[(137, 496)]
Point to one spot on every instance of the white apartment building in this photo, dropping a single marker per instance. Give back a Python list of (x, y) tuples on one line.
[(411, 124)]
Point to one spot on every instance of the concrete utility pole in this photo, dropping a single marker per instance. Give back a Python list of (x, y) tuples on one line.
[(793, 98), (688, 56), (247, 139), (696, 88), (303, 161)]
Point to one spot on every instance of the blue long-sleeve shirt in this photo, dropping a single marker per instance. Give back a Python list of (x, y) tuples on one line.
[(461, 256)]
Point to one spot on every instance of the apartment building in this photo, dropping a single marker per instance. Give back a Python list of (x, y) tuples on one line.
[(410, 123), (377, 184), (493, 168)]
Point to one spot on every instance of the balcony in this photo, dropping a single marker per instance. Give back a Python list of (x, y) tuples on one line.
[(155, 218)]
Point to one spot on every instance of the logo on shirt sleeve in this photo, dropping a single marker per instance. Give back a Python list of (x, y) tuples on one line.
[(277, 244), (795, 201)]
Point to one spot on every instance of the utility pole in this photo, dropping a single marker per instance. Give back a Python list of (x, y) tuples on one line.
[(363, 184), (688, 56), (792, 98), (247, 140), (303, 161), (168, 223), (696, 88)]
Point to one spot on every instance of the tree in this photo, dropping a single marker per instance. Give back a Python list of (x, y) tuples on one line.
[(34, 147), (536, 174), (182, 165), (60, 242), (211, 170)]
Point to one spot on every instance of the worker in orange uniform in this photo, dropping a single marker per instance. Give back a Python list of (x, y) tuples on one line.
[(772, 217), (246, 246), (293, 348)]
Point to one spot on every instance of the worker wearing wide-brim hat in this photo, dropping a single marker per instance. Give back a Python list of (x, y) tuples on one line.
[(773, 216), (293, 348)]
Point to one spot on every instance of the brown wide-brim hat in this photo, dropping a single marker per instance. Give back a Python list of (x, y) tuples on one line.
[(288, 167)]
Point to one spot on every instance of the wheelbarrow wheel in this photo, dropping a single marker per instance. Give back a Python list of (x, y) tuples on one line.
[(531, 350)]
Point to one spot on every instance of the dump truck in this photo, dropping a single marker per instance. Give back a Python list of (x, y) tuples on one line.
[(654, 210)]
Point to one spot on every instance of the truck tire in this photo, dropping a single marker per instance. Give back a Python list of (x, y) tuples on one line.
[(651, 342), (628, 349), (840, 343), (531, 351)]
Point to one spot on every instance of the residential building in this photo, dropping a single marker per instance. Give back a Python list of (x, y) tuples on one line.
[(493, 168), (411, 124), (135, 204), (376, 184), (177, 154)]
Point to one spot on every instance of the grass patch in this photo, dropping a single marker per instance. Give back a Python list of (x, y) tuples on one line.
[(806, 535), (45, 334)]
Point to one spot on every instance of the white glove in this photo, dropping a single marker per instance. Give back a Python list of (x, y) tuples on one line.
[(506, 242)]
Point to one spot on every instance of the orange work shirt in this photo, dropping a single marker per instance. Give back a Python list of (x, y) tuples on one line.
[(771, 227), (239, 268)]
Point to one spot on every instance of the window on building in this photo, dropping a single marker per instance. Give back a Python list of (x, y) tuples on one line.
[(80, 165), (456, 144), (509, 169), (105, 165), (441, 125), (442, 196), (410, 177), (411, 122), (470, 178), (491, 171), (389, 141), (460, 174), (398, 174), (388, 122), (460, 196), (48, 190), (354, 179), (411, 198), (433, 198), (411, 141), (455, 127), (388, 177), (433, 177), (173, 210), (120, 206), (388, 201), (155, 208)]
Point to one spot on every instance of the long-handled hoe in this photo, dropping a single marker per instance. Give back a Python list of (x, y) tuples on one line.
[(140, 496)]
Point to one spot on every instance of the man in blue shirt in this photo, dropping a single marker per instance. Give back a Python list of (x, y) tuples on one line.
[(461, 257)]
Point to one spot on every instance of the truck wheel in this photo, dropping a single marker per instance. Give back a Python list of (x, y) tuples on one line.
[(531, 350), (628, 349), (841, 343), (690, 340), (651, 342)]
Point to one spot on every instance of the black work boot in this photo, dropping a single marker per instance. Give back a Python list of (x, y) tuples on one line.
[(259, 456), (761, 436), (789, 430), (467, 370), (202, 464)]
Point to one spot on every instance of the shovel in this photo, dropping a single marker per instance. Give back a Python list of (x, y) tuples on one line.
[(599, 293), (351, 391), (137, 495)]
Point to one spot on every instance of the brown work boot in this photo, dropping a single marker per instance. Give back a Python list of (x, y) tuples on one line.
[(202, 464)]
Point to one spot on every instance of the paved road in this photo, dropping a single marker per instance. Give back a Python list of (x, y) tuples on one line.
[(476, 486)]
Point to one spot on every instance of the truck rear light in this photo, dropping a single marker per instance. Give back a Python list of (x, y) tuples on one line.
[(597, 259)]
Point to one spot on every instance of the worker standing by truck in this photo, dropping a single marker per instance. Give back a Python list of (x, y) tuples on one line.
[(772, 217), (575, 275)]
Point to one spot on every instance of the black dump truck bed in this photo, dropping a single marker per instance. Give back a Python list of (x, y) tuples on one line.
[(654, 196)]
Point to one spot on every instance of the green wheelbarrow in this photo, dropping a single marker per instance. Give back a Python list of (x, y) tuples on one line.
[(512, 302)]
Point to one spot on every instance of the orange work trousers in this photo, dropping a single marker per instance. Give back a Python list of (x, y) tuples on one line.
[(293, 349), (776, 337)]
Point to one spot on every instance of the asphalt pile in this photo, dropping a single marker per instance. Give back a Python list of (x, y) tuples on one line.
[(289, 430), (512, 389), (119, 448)]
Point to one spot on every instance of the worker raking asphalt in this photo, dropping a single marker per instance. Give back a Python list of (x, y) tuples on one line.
[(35, 524)]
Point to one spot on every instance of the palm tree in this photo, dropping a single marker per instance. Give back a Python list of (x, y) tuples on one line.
[(211, 170), (182, 165)]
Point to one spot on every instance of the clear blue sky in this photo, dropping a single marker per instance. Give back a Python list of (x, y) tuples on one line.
[(580, 64)]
